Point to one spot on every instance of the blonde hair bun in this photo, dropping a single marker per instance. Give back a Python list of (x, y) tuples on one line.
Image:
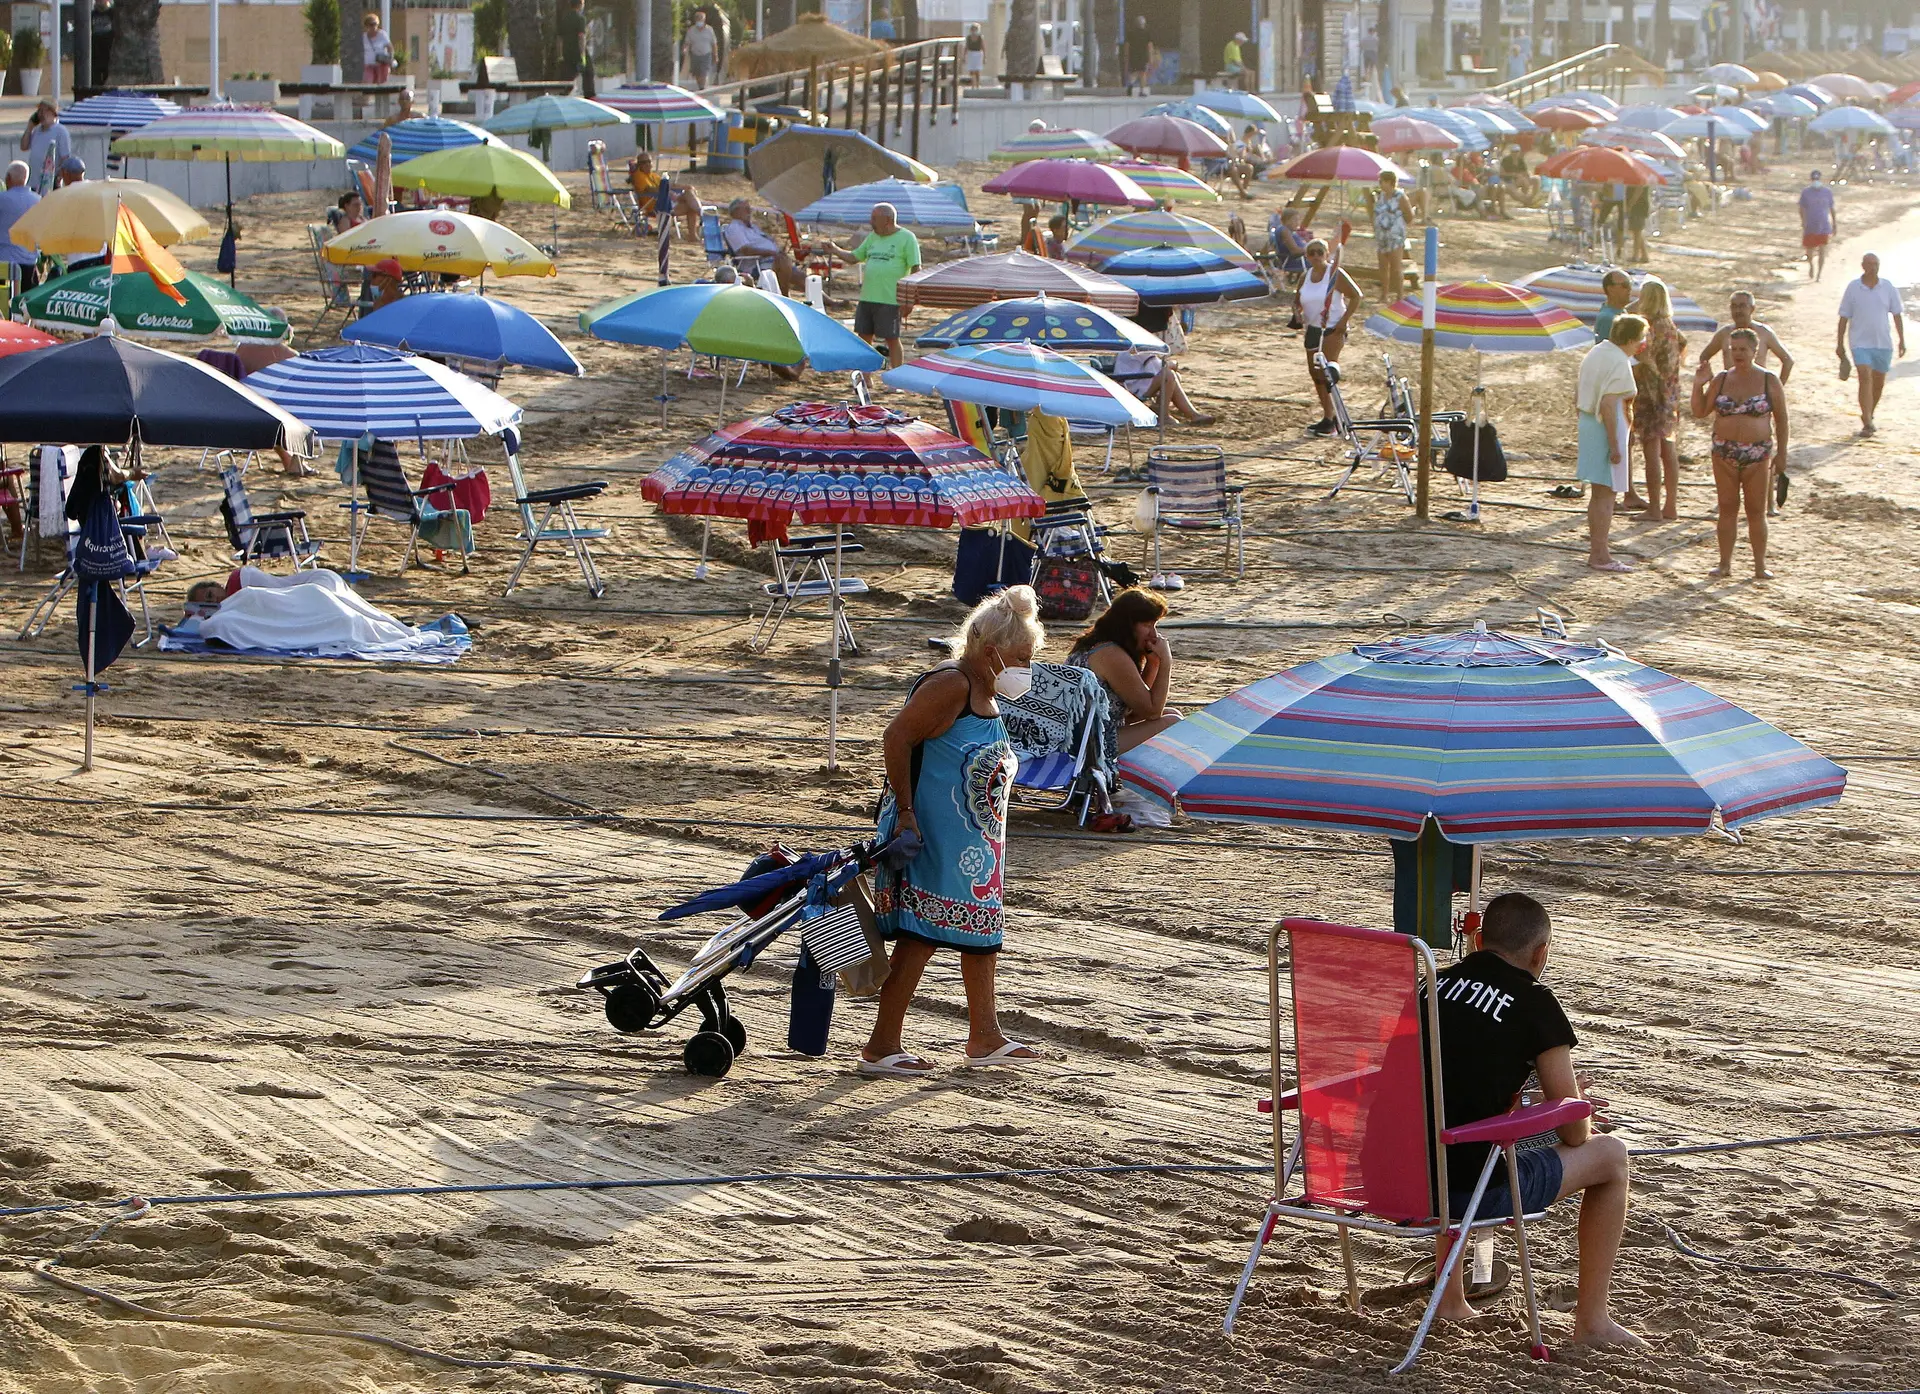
[(1005, 619)]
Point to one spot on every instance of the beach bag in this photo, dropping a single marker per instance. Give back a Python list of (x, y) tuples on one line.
[(979, 565), (1067, 587), (810, 1015), (1459, 461)]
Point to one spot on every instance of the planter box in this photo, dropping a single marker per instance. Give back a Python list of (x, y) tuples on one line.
[(30, 82), (321, 72), (252, 92)]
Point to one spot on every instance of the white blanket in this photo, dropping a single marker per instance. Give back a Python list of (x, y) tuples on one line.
[(312, 613)]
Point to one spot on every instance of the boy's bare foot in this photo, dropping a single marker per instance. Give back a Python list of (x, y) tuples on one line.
[(1671, 514), (1606, 1332), (1762, 574), (1648, 517), (1456, 1309), (1720, 573)]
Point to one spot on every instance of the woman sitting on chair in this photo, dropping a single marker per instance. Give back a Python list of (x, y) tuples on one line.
[(1126, 651)]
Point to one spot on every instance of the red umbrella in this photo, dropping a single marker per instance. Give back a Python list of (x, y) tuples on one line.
[(1341, 163), (960, 285), (20, 338), (1900, 96), (1570, 118), (1401, 133), (1597, 164), (1070, 181), (1174, 136)]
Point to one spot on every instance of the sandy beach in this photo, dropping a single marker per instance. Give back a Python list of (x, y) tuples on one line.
[(315, 925)]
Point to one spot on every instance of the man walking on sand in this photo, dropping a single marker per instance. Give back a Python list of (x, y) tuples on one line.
[(1870, 309), (1818, 224), (1498, 1024)]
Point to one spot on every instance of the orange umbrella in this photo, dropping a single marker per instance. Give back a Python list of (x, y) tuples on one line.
[(134, 250), (1597, 164)]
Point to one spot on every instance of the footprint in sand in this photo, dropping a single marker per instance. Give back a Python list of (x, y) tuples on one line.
[(266, 1090)]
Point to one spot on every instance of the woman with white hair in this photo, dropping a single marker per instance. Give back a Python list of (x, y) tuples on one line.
[(950, 771)]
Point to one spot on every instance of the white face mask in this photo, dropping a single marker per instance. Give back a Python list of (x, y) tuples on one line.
[(1013, 683)]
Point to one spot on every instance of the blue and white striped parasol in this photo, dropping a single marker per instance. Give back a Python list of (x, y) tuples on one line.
[(1648, 116), (1450, 121), (1183, 276), (423, 135), (1021, 377), (345, 393), (118, 111), (927, 206), (1243, 106)]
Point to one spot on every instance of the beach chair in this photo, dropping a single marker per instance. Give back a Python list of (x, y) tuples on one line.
[(1391, 439), (802, 571), (981, 240), (1187, 491), (605, 198), (135, 527), (48, 474), (1055, 728), (1370, 1143), (713, 240), (1068, 530), (557, 522), (257, 538), (389, 496), (337, 295)]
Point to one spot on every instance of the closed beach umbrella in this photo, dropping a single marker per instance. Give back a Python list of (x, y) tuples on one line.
[(1487, 316), (1070, 181), (1399, 134), (1496, 737), (924, 207), (1640, 142), (1066, 143), (1241, 106), (1165, 184), (1576, 287), (118, 111), (1850, 120), (660, 103), (1021, 377), (477, 171), (1183, 276), (803, 164), (732, 321), (476, 328), (420, 135), (435, 239), (1348, 164), (1065, 326), (958, 285), (1126, 232), (1173, 136), (362, 389), (1591, 164), (79, 300), (79, 219)]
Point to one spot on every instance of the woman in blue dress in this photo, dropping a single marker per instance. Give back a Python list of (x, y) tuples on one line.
[(948, 750)]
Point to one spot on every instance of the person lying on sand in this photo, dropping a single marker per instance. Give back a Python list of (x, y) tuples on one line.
[(1498, 1024)]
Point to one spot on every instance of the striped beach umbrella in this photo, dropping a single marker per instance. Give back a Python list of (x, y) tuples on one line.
[(1189, 110), (1498, 738), (79, 300), (1470, 136), (919, 206), (1068, 142), (421, 135), (1165, 184), (1812, 92), (1641, 142), (1021, 377), (1700, 125), (1490, 123), (360, 389), (1399, 134), (118, 111), (1342, 164), (1488, 316), (1069, 181), (1065, 326), (1127, 232), (959, 285), (1648, 116), (1183, 276), (731, 321), (1500, 107), (1576, 287), (229, 133), (1241, 106), (660, 103)]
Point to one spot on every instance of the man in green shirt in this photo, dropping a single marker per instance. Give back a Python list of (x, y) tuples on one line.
[(890, 252)]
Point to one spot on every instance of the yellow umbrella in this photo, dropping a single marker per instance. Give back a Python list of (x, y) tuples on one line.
[(433, 239), (481, 170), (80, 219), (1768, 81)]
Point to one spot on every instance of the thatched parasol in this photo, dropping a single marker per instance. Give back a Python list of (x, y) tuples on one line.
[(811, 40)]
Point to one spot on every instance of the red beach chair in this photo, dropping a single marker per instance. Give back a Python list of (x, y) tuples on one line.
[(1371, 1140)]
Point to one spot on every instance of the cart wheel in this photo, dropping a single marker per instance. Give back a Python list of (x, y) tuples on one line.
[(708, 1053), (631, 1008), (735, 1031)]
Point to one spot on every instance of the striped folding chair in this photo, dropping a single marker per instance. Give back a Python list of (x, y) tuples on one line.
[(389, 496), (258, 537), (1187, 491)]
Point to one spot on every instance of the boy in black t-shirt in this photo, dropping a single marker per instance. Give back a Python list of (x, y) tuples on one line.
[(1497, 1025)]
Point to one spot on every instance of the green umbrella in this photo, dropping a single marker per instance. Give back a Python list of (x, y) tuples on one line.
[(77, 302)]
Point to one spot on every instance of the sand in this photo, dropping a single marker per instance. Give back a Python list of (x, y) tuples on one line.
[(315, 925)]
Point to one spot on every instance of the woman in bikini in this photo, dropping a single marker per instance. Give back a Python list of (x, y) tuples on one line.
[(1749, 411)]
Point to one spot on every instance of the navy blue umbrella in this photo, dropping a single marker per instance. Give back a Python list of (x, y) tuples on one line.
[(422, 135), (456, 324)]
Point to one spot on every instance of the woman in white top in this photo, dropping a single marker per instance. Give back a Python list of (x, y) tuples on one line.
[(1606, 387), (1328, 298), (376, 49)]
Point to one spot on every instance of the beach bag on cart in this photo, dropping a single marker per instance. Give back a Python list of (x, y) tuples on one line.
[(1067, 587), (1460, 461)]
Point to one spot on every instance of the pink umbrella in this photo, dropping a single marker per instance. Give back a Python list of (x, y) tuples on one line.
[(1570, 118), (1070, 181), (1640, 142), (1398, 134), (1173, 136), (1349, 164)]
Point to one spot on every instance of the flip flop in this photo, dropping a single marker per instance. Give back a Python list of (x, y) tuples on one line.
[(1780, 486), (1566, 491), (1004, 1056), (895, 1067), (1615, 565)]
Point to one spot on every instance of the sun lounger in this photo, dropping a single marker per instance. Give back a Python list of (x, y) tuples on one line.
[(1370, 1141), (1187, 491), (557, 522)]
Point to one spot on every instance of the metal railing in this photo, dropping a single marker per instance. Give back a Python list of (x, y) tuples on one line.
[(923, 77), (1595, 68)]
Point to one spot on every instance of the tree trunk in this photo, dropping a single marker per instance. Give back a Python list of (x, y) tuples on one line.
[(1493, 53), (1662, 32), (1023, 39), (1538, 40), (909, 21), (664, 39), (1192, 64), (1576, 28), (1436, 46), (136, 41), (780, 15), (530, 33), (353, 54), (1102, 55)]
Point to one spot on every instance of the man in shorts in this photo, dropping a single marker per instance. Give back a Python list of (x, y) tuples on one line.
[(1498, 1025), (1870, 310), (1818, 224), (890, 252), (1740, 311), (698, 45)]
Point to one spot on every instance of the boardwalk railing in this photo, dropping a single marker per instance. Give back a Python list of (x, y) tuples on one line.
[(1597, 68), (916, 80)]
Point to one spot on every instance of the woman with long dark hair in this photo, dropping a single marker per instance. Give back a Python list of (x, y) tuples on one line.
[(1125, 649)]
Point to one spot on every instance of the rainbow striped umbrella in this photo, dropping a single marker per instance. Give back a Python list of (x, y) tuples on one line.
[(1488, 316), (1128, 232), (1021, 377), (1183, 276), (1498, 738), (1070, 181), (1576, 287), (1069, 143), (229, 133), (1165, 183), (657, 103)]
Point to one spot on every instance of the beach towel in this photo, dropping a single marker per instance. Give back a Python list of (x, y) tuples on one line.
[(313, 614), (1049, 717), (471, 491)]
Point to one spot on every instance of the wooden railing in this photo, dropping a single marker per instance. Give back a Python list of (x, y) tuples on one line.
[(1596, 68), (924, 76)]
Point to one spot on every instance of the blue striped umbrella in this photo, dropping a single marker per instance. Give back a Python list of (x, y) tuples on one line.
[(1784, 104), (1021, 377), (1190, 110), (454, 324), (914, 205), (346, 393), (1243, 106), (1452, 122), (1648, 116), (1065, 326), (422, 135), (1182, 276), (1499, 738), (118, 111), (1491, 123), (1701, 125)]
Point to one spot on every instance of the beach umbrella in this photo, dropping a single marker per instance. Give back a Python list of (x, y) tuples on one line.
[(1641, 142), (1766, 81), (80, 219), (1165, 184), (1469, 134), (1126, 232), (958, 285), (1844, 86), (1570, 118), (1700, 126), (1818, 95), (1733, 74), (1715, 92), (810, 39), (363, 389), (1241, 106), (1850, 120), (1904, 118), (1065, 326), (1189, 110), (1903, 94), (1486, 101), (547, 113), (474, 328), (1183, 276), (1069, 181), (803, 164), (1341, 164), (1065, 143), (920, 206), (78, 301), (1651, 116), (1400, 134), (660, 104), (1576, 287), (482, 170), (1022, 376), (1174, 136), (814, 463), (1599, 164), (1785, 104), (1490, 123), (1740, 116), (420, 135), (437, 239), (1494, 736), (118, 111), (19, 338), (1586, 96)]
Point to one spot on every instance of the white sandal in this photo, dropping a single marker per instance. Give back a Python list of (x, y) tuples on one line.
[(1005, 1056), (895, 1066)]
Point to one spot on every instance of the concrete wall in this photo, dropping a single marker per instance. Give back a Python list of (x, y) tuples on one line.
[(988, 122)]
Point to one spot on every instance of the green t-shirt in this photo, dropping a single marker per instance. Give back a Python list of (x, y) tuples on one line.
[(1603, 322), (888, 259)]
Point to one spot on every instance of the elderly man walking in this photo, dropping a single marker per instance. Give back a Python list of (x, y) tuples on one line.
[(890, 252), (1870, 310), (21, 263)]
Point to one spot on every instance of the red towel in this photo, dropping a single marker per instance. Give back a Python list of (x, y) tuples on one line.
[(472, 491)]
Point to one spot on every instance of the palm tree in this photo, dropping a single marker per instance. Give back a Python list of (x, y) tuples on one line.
[(1023, 39), (1662, 31), (136, 41), (530, 33)]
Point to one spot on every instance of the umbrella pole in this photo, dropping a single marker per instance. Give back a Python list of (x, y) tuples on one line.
[(93, 641), (1165, 378), (706, 536), (1479, 415), (663, 387), (354, 574), (234, 271), (833, 664), (1428, 289), (721, 419)]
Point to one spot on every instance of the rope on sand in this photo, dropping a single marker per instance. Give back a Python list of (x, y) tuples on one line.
[(1679, 1242)]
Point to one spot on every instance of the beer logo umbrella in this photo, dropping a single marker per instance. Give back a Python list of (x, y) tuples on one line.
[(439, 240)]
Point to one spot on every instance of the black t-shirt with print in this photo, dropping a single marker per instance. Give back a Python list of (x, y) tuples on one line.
[(1495, 1021)]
